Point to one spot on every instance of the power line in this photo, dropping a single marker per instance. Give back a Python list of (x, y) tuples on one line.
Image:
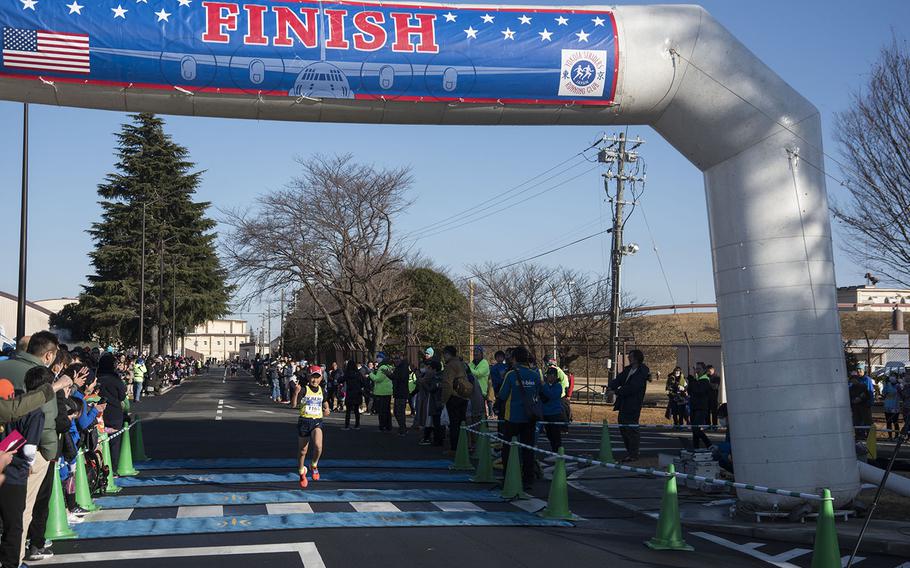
[(460, 223), (575, 242), (499, 196), (778, 123)]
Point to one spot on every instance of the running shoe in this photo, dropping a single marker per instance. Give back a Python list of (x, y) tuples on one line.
[(303, 481), (315, 473)]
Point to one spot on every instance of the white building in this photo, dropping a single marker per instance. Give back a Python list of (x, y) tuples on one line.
[(220, 339), (37, 315), (872, 299)]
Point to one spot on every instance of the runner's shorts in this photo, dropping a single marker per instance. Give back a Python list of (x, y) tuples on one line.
[(306, 426)]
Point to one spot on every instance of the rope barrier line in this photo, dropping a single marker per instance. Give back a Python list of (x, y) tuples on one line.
[(654, 472), (111, 436), (683, 427)]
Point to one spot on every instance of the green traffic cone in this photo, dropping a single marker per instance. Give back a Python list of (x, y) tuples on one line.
[(136, 441), (83, 493), (826, 553), (484, 471), (606, 447), (126, 404), (669, 531), (125, 463), (57, 527), (462, 458), (111, 486), (558, 500), (511, 486)]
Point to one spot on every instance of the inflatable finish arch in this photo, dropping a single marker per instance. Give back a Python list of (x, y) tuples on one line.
[(675, 68)]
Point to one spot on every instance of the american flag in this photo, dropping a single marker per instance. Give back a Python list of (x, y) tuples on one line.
[(44, 50)]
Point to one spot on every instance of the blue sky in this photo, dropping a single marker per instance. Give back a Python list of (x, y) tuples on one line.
[(822, 48)]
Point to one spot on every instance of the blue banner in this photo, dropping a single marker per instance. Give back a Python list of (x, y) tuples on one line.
[(332, 50)]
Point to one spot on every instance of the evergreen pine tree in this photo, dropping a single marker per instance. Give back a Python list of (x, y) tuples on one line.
[(153, 170)]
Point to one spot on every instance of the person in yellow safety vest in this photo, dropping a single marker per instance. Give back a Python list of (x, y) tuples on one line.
[(480, 368), (382, 391), (139, 371), (560, 374)]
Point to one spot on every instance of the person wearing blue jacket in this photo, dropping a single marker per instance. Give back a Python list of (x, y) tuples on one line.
[(520, 392), (551, 395)]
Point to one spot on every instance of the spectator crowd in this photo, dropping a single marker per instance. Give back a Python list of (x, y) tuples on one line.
[(55, 403)]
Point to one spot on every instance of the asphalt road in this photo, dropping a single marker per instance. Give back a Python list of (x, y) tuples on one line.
[(247, 507)]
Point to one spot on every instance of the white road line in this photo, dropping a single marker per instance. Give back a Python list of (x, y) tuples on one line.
[(457, 507), (217, 418), (530, 505), (309, 554), (791, 554), (779, 560), (288, 508), (221, 401), (375, 507), (109, 515), (200, 511)]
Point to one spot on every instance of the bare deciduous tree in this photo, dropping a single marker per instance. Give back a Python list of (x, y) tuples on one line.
[(328, 234), (528, 303), (875, 142)]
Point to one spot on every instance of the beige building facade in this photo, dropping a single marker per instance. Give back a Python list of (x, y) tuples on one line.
[(219, 339)]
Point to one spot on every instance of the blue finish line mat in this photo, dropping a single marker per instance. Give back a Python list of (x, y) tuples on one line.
[(315, 496), (246, 523), (331, 475), (285, 463)]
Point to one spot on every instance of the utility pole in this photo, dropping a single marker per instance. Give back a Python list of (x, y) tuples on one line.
[(410, 348), (142, 285), (281, 337), (268, 311), (174, 313), (615, 151), (23, 231), (553, 316), (471, 323)]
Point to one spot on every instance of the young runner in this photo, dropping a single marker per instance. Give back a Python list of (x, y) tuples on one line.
[(313, 407)]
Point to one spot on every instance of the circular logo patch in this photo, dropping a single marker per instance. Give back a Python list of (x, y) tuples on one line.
[(582, 73)]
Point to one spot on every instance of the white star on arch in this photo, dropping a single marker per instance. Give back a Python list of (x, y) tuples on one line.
[(598, 21), (119, 11), (545, 35), (145, 1), (487, 19), (472, 33), (508, 34), (162, 15), (28, 4), (75, 8), (582, 36), (525, 20), (184, 2), (450, 17), (562, 21)]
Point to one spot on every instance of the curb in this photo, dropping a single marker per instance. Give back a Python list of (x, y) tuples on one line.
[(791, 534)]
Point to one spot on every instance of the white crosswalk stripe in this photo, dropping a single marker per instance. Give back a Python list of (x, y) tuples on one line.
[(200, 511), (375, 507), (457, 507), (288, 508)]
